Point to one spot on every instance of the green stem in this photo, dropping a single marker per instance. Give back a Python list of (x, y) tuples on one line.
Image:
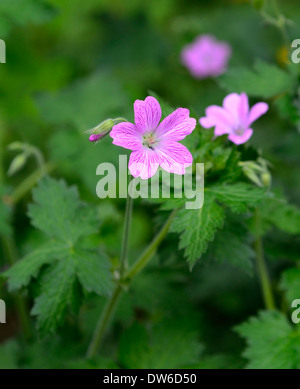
[(27, 184), (279, 22), (261, 265), (40, 159), (110, 306), (124, 249), (103, 322), (150, 250)]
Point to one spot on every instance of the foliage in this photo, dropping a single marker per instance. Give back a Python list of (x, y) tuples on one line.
[(198, 302)]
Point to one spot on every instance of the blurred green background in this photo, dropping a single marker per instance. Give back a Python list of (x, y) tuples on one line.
[(72, 64)]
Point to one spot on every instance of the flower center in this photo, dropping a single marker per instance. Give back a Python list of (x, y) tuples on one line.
[(149, 140), (239, 131)]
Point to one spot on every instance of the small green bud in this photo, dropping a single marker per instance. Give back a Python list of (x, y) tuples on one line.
[(252, 176), (266, 179), (17, 164)]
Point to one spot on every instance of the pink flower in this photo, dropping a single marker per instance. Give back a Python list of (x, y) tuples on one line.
[(206, 57), (155, 143), (234, 118)]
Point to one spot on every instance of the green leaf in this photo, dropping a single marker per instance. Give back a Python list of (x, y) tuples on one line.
[(20, 274), (170, 345), (271, 342), (217, 362), (288, 109), (290, 283), (92, 271), (239, 196), (59, 213), (22, 12), (56, 294), (264, 81), (232, 245), (197, 228), (277, 212)]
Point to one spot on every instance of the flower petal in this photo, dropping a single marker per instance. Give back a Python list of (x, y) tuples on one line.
[(174, 157), (176, 126), (256, 111), (221, 131), (143, 163), (239, 139), (217, 116), (126, 135), (238, 106), (147, 114)]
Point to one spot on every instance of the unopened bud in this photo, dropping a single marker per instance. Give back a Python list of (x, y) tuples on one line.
[(103, 129), (17, 163), (95, 137), (266, 179)]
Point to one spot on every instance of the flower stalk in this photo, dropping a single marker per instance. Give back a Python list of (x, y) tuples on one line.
[(261, 265), (125, 242), (111, 304)]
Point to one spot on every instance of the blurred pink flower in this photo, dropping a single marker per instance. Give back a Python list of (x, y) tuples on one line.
[(234, 118), (206, 57), (155, 144)]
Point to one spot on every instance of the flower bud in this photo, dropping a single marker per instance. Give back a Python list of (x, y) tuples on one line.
[(95, 137), (266, 179), (17, 164), (103, 129)]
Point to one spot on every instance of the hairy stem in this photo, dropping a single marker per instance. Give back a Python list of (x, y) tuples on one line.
[(110, 306), (150, 250), (261, 265), (124, 249), (103, 322)]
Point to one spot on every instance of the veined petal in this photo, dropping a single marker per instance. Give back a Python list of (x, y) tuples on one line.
[(176, 126), (143, 163), (239, 139), (256, 111), (126, 135), (174, 157), (147, 114), (217, 116)]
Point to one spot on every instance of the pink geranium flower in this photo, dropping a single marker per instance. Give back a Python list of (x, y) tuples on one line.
[(234, 118), (206, 57), (155, 143)]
